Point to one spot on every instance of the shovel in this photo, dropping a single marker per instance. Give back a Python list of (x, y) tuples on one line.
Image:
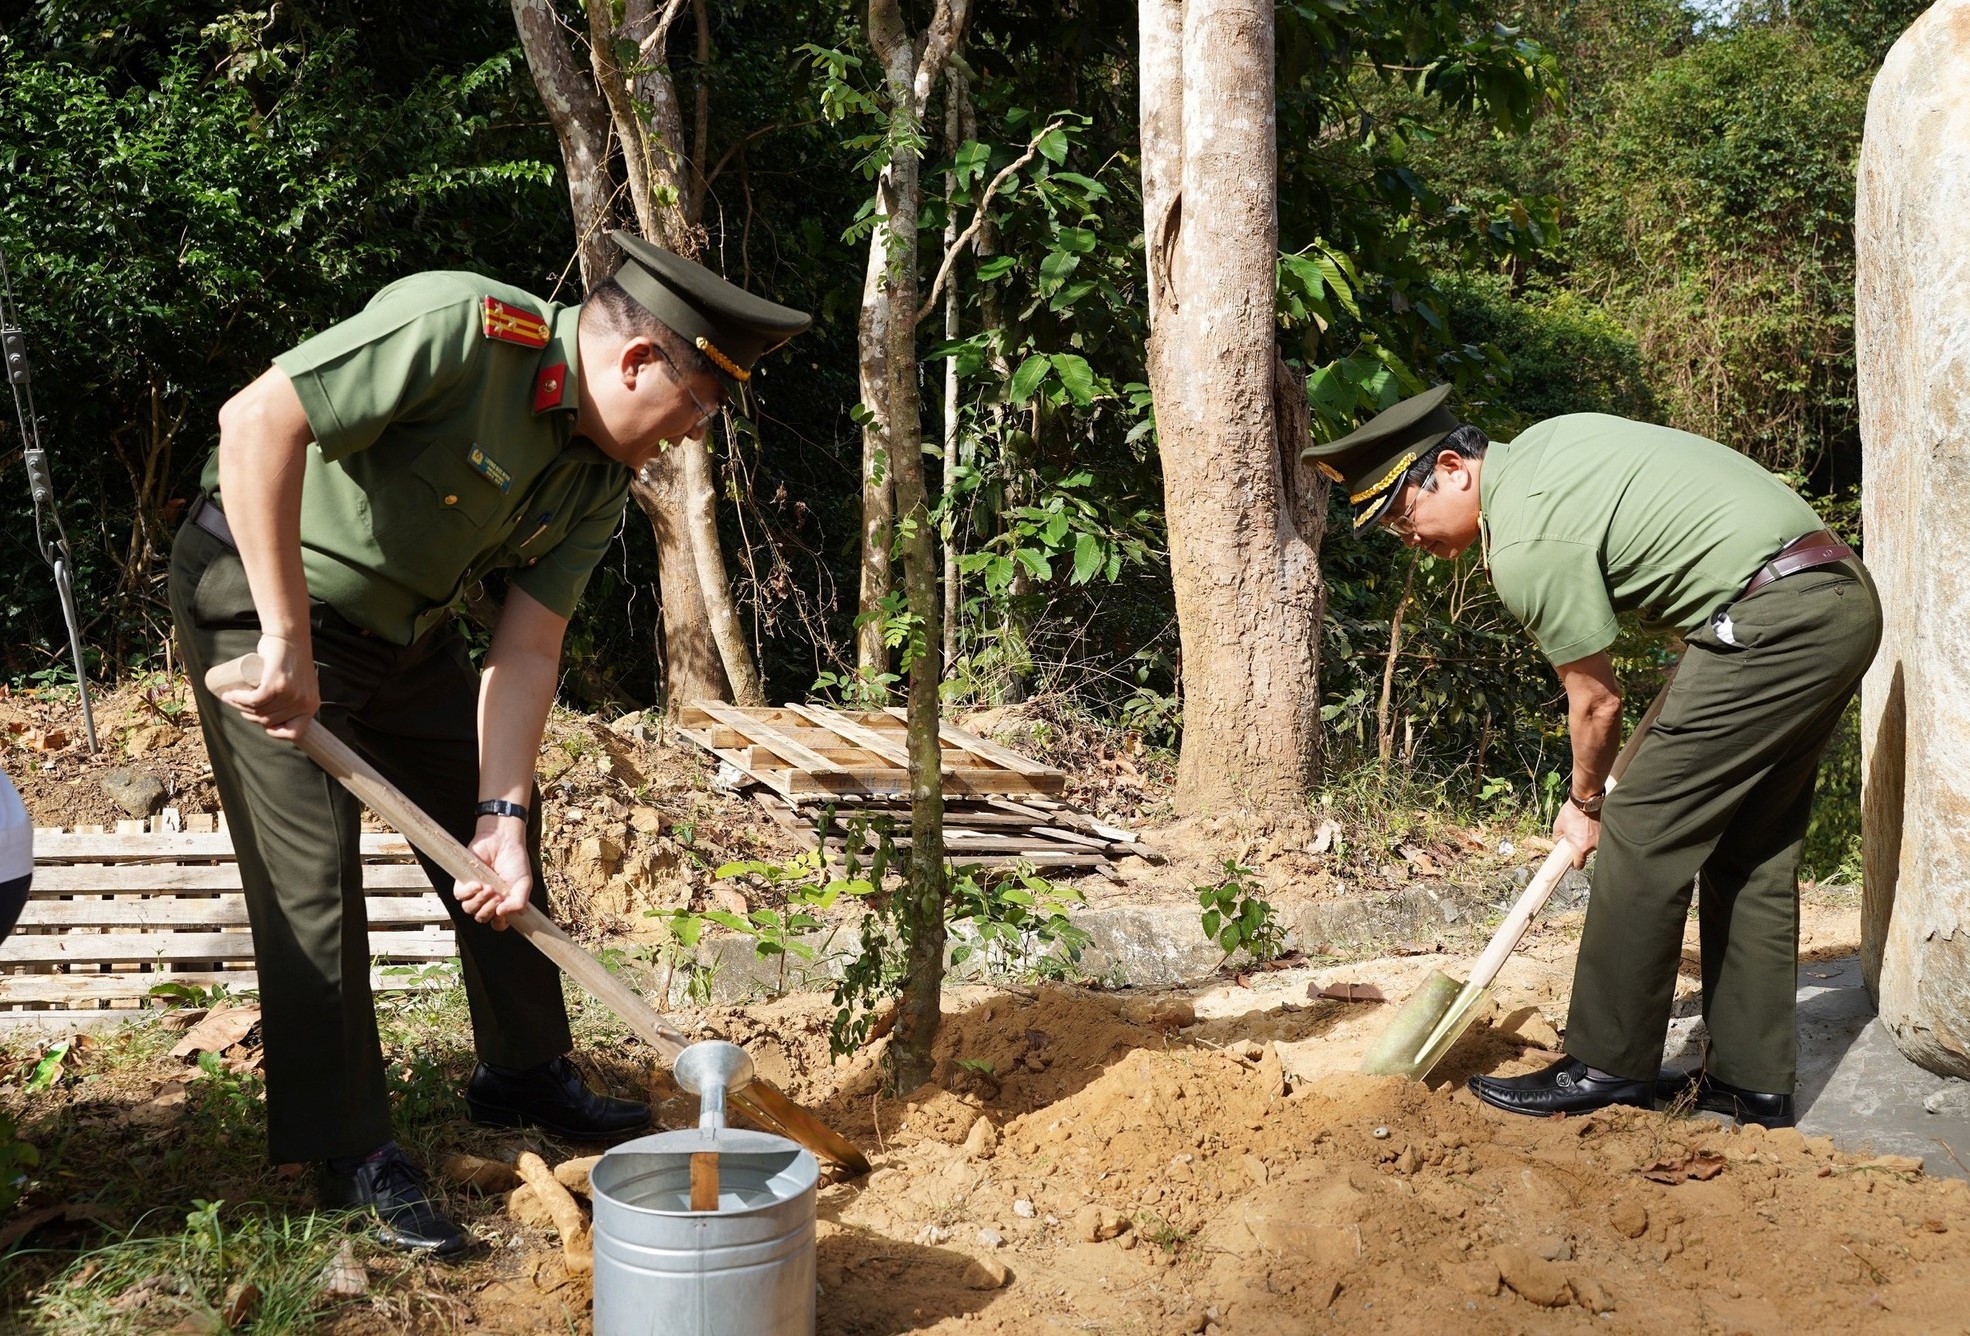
[(1437, 1014), (760, 1098)]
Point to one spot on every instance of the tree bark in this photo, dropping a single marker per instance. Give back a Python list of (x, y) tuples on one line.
[(721, 613), (1244, 514), (693, 667), (581, 122), (878, 487), (957, 109), (666, 190), (911, 69)]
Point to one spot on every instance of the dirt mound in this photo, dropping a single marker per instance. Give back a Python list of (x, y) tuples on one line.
[(1165, 1188)]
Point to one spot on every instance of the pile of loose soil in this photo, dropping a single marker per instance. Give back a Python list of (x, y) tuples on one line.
[(1095, 1162)]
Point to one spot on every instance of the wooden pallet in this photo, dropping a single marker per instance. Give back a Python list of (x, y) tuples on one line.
[(804, 752), (114, 913), (987, 832)]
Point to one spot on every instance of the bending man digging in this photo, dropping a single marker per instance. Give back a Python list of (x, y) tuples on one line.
[(455, 427), (1583, 518)]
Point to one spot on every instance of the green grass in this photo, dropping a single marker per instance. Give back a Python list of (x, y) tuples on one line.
[(194, 1210)]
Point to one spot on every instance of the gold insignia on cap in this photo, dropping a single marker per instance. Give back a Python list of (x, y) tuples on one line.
[(1328, 471), (1375, 488), (721, 361)]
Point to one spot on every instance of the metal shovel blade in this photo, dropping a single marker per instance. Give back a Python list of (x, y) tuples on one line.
[(1432, 1015)]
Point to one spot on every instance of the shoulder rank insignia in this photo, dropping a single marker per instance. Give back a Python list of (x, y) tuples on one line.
[(514, 324), (488, 468)]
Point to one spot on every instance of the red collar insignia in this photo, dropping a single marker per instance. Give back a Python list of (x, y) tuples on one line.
[(550, 386)]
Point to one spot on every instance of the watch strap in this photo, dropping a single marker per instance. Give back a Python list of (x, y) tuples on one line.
[(500, 807)]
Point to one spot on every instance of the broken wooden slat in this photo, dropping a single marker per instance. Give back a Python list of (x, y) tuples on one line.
[(168, 878), (983, 747), (218, 911), (148, 947), (964, 782), (860, 734), (217, 847), (795, 753), (76, 989)]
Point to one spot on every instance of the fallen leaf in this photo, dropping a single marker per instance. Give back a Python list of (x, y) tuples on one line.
[(1537, 844), (241, 1301), (49, 1069), (1323, 839), (344, 1277), (1349, 992), (223, 1026), (74, 1213), (1418, 859), (1700, 1167)]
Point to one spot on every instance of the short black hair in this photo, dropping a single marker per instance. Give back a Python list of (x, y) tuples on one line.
[(609, 304), (1467, 441)]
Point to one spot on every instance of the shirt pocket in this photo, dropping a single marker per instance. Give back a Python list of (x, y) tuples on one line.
[(449, 497)]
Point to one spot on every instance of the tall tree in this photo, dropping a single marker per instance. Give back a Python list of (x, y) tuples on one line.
[(891, 380), (628, 98), (1245, 516)]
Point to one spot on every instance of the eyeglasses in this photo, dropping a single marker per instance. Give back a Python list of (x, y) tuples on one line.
[(705, 413), (1403, 526)]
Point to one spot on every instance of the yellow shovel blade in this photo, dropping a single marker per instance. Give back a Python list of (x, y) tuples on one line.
[(1427, 1017)]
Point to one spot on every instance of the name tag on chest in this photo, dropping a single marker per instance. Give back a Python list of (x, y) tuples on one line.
[(488, 468)]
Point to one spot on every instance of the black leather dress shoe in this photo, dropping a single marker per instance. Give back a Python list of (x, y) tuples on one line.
[(551, 1096), (1746, 1106), (386, 1183), (1563, 1087)]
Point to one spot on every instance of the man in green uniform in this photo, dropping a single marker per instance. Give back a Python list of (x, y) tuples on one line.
[(1586, 517), (455, 427)]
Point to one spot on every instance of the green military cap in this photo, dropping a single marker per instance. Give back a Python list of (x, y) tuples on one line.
[(733, 328), (1370, 460)]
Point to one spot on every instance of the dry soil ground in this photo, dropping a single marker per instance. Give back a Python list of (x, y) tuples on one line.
[(1087, 1161)]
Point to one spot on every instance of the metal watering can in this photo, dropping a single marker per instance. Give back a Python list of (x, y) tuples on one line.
[(707, 1231)]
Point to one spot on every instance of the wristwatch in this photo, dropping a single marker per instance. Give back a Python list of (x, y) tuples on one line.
[(1591, 806)]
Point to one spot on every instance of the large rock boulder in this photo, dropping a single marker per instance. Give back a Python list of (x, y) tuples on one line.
[(1912, 331)]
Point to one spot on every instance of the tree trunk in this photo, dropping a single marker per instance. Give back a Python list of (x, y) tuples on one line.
[(693, 668), (910, 70), (1244, 514), (699, 657), (581, 123), (714, 585), (957, 129), (878, 486)]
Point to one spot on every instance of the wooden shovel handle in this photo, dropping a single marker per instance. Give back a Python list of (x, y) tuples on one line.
[(332, 754), (1540, 888)]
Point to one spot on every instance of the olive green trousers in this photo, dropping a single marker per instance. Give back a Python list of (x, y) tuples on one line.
[(1718, 795), (411, 711)]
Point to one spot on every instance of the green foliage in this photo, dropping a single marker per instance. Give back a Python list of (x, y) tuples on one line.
[(187, 198), (17, 1157), (1238, 918), (1718, 213), (190, 1273), (1016, 922)]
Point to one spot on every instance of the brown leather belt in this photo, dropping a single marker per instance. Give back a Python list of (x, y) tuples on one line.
[(1807, 553), (205, 513)]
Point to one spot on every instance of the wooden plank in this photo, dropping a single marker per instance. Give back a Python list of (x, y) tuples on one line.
[(795, 753), (81, 989), (165, 878), (984, 747), (72, 847), (161, 947), (860, 734), (886, 781), (217, 911)]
